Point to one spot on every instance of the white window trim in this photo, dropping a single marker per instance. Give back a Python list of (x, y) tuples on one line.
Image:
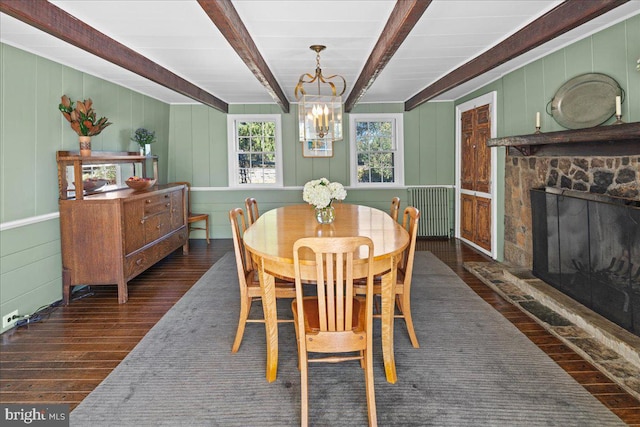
[(399, 140), (232, 119)]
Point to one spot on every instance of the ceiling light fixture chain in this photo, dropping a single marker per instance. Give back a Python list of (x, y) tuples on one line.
[(318, 77)]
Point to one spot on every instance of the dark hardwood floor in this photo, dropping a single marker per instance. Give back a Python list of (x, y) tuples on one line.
[(63, 357)]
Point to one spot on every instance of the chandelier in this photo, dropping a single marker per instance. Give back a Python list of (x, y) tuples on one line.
[(320, 115)]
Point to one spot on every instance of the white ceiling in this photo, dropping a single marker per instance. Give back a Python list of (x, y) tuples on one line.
[(179, 36)]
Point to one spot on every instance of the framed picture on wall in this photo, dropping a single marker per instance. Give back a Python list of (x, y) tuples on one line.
[(317, 148)]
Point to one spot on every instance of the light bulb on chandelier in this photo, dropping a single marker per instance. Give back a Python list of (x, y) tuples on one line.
[(321, 119)]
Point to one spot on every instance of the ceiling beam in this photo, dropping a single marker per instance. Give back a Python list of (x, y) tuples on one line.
[(566, 16), (51, 19), (403, 17), (226, 18)]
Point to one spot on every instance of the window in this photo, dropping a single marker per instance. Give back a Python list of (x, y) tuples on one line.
[(376, 150), (254, 150)]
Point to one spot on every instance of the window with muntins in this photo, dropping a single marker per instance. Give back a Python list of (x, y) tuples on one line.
[(254, 150), (376, 150)]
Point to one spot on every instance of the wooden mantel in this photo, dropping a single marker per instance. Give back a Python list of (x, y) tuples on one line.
[(611, 140)]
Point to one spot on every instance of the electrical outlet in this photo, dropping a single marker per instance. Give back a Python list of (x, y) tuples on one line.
[(9, 319)]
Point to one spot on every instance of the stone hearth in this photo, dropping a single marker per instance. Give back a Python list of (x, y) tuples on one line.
[(610, 348)]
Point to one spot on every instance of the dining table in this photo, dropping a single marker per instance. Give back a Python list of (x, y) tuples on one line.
[(270, 241)]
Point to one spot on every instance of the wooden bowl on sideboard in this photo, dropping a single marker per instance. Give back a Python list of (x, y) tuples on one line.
[(140, 183)]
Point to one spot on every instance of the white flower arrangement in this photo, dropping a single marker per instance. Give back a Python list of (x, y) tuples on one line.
[(321, 193)]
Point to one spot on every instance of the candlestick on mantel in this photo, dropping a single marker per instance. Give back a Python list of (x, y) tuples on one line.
[(618, 111), (538, 122)]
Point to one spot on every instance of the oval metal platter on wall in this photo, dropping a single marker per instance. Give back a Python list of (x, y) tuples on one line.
[(585, 101)]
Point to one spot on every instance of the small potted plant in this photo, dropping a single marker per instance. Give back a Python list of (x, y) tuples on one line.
[(143, 138), (83, 121)]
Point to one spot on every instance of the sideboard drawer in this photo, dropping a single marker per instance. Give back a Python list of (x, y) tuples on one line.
[(157, 204), (138, 262), (135, 264)]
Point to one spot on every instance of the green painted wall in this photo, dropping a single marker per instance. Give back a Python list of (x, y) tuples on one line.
[(198, 153), (31, 131), (521, 93)]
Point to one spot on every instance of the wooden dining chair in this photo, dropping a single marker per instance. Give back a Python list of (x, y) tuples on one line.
[(395, 208), (248, 278), (402, 289), (251, 206), (195, 217), (334, 320)]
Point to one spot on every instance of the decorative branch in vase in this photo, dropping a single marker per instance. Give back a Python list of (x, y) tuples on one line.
[(143, 138), (82, 119)]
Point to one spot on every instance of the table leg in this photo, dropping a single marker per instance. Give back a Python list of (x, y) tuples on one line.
[(388, 308), (268, 286)]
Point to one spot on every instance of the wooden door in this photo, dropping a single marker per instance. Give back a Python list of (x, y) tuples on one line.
[(475, 177)]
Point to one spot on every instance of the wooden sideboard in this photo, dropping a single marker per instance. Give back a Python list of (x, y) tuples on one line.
[(111, 237)]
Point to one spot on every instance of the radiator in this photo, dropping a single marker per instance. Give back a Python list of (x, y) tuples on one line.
[(433, 203)]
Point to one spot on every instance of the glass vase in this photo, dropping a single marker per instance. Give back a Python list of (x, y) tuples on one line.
[(325, 215)]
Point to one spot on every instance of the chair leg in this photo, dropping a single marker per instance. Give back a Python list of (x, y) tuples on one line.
[(206, 221), (371, 394), (406, 313), (245, 307), (295, 325), (304, 391)]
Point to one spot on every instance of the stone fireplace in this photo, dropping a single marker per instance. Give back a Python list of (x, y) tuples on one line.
[(615, 176), (591, 177)]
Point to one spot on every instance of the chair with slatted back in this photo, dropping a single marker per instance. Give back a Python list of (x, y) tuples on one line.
[(333, 320), (395, 208), (253, 213), (248, 278), (195, 217), (402, 288)]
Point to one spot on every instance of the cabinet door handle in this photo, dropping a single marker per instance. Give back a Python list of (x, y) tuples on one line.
[(142, 221), (139, 261), (158, 226), (148, 201), (166, 196), (168, 204)]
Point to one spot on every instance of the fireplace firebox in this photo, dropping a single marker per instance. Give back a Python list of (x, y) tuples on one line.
[(588, 247)]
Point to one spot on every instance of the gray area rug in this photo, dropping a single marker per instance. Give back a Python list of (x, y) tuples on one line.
[(474, 368)]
